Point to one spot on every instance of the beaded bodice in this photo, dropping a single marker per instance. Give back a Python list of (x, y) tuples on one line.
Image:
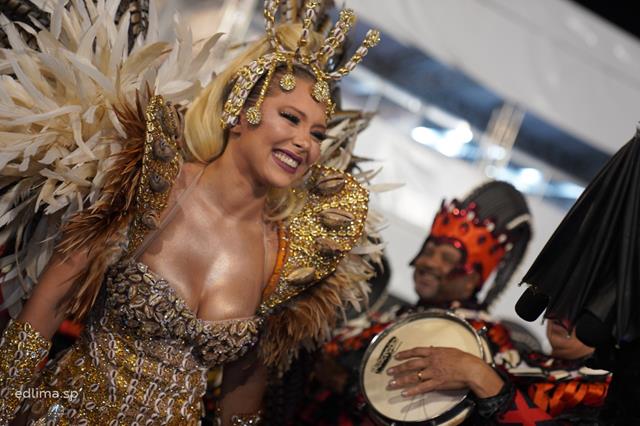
[(148, 307)]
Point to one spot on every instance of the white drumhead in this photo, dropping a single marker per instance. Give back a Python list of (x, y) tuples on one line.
[(420, 332)]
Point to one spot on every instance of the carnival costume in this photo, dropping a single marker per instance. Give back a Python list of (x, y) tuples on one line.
[(91, 143), (552, 391)]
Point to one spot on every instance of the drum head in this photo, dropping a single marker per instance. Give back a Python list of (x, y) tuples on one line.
[(422, 330)]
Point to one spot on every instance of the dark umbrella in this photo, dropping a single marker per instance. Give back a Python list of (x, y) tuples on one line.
[(591, 265)]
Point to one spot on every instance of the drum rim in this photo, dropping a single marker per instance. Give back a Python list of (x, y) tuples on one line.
[(429, 313)]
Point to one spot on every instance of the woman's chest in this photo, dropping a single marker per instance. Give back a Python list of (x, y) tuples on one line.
[(218, 268)]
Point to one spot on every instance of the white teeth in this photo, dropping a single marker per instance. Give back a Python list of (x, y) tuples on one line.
[(286, 159)]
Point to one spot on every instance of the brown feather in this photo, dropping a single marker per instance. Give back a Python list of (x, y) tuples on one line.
[(308, 320), (99, 228)]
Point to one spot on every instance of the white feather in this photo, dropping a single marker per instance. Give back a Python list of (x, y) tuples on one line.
[(56, 19), (11, 214), (58, 127)]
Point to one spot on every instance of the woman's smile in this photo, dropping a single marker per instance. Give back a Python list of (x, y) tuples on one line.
[(287, 160)]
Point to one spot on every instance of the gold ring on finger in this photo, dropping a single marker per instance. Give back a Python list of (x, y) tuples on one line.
[(420, 379)]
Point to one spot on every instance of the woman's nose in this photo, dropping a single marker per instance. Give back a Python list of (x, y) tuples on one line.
[(302, 142)]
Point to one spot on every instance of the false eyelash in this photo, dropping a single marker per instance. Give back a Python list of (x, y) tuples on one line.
[(291, 117)]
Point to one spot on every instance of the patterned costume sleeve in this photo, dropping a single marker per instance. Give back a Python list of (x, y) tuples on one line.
[(319, 274), (551, 391), (522, 411), (21, 350)]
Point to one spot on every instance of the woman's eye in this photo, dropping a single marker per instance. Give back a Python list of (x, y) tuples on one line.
[(292, 118), (319, 136)]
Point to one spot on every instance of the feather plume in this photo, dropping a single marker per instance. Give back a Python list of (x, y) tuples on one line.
[(72, 132), (308, 320)]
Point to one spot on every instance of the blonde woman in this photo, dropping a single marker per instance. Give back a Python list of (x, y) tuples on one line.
[(232, 254)]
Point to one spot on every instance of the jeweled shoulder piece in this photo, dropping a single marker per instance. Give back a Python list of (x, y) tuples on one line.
[(316, 62), (329, 225), (160, 167)]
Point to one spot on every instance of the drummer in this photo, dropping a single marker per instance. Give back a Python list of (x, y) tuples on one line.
[(560, 389), (474, 245), (486, 233)]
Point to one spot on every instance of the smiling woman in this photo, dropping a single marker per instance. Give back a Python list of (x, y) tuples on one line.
[(189, 259)]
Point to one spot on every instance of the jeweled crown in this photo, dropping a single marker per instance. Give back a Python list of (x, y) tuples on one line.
[(460, 226), (315, 61)]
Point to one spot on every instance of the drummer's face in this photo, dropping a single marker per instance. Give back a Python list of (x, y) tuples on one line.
[(434, 263)]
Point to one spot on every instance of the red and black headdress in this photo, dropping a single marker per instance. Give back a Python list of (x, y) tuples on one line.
[(482, 247)]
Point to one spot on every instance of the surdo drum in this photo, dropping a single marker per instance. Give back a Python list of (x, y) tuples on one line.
[(438, 328)]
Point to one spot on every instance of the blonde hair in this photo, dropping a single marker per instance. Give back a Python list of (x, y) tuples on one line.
[(204, 136)]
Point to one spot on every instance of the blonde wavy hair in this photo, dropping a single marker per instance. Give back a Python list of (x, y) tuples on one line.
[(204, 137)]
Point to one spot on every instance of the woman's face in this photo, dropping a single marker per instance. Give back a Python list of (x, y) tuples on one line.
[(280, 149)]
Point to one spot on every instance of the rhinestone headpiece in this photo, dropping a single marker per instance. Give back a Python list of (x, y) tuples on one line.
[(316, 62)]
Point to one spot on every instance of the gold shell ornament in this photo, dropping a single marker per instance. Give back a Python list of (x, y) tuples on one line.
[(301, 276), (335, 218)]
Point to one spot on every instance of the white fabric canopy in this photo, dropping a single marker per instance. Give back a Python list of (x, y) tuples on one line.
[(552, 57)]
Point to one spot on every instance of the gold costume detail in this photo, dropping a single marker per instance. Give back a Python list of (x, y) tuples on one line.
[(21, 350), (160, 167), (309, 232), (241, 419), (288, 82), (246, 420)]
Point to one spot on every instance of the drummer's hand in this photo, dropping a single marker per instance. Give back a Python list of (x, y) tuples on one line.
[(443, 369)]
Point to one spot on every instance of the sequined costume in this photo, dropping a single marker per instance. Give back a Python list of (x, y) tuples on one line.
[(144, 355), (93, 161)]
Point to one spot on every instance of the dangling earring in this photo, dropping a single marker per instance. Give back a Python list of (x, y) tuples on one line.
[(253, 114), (288, 80)]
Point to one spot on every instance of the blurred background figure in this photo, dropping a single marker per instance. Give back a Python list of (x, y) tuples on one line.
[(558, 388), (587, 275)]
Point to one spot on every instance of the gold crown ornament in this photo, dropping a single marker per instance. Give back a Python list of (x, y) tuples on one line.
[(316, 62)]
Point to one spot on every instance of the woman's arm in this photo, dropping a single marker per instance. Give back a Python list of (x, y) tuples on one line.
[(26, 341), (56, 279), (243, 386), (41, 309)]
